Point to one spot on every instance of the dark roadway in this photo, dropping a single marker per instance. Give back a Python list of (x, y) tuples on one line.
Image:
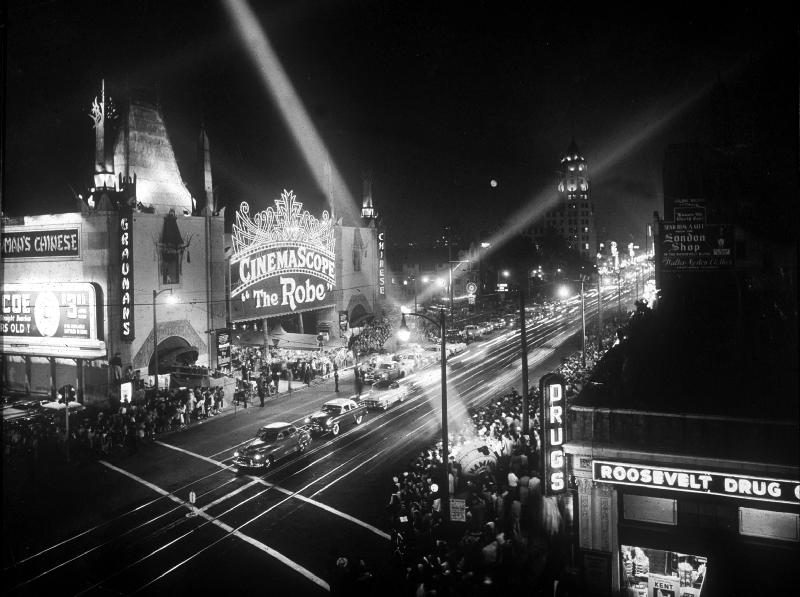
[(121, 526)]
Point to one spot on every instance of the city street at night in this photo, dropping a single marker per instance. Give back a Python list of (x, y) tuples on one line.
[(409, 299)]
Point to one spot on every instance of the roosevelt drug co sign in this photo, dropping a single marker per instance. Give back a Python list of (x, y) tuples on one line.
[(283, 261)]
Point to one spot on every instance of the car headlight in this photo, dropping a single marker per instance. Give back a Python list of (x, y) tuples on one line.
[(236, 454), (307, 420), (328, 423), (257, 457)]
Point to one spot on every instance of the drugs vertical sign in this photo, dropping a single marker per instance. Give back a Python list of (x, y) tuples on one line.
[(553, 432)]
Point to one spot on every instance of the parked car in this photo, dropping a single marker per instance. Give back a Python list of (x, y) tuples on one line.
[(336, 415), (384, 394), (272, 442)]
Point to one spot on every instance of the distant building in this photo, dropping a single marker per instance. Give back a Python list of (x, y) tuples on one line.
[(571, 221)]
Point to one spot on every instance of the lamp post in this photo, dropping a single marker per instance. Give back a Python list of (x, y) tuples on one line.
[(155, 332), (403, 334), (583, 327)]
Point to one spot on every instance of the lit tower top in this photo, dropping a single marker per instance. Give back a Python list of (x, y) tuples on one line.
[(574, 176), (102, 113), (367, 210)]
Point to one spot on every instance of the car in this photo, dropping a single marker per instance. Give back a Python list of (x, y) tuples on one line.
[(390, 370), (335, 415), (272, 443), (409, 362), (384, 394), (472, 332)]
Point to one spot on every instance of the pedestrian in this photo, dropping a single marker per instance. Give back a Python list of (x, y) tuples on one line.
[(261, 390), (358, 382), (336, 378)]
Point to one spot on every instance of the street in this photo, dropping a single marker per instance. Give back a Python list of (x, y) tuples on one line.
[(127, 525)]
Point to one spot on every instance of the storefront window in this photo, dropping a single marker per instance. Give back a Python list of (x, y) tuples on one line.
[(648, 572)]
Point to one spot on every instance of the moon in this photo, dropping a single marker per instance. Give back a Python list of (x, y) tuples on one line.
[(493, 183)]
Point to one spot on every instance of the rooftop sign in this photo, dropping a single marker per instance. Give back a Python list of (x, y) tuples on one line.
[(28, 243), (283, 261)]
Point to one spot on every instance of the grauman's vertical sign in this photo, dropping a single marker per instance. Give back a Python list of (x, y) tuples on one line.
[(382, 263), (126, 274), (283, 261), (553, 428)]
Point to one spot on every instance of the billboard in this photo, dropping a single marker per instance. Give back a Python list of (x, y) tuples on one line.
[(283, 261), (56, 319), (694, 246)]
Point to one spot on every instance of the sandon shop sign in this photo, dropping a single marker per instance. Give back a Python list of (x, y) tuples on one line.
[(283, 261), (696, 246)]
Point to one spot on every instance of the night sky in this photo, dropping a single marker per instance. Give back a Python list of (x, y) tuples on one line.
[(435, 98)]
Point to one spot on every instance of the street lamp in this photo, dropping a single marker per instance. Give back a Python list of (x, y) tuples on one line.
[(155, 329), (563, 292), (403, 334)]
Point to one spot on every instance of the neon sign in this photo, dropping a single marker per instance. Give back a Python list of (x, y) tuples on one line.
[(126, 276), (381, 263), (41, 243), (283, 261), (553, 427), (696, 481)]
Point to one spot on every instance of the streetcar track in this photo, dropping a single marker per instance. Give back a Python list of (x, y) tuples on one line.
[(497, 361)]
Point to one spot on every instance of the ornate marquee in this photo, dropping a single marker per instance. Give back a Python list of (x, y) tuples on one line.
[(286, 223), (283, 260)]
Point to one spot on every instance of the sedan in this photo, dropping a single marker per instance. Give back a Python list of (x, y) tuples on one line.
[(384, 394)]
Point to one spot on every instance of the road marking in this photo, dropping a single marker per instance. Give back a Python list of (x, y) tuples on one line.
[(288, 492), (227, 528), (226, 496)]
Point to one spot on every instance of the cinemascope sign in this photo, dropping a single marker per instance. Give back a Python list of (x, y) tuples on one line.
[(283, 261), (695, 481), (553, 423)]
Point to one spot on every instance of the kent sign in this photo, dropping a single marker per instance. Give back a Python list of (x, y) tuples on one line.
[(553, 432), (283, 261), (746, 487)]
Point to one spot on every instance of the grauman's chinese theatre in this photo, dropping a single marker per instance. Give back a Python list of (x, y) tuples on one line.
[(86, 294)]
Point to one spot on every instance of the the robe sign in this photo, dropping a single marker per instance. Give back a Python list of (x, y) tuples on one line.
[(47, 243), (283, 261), (382, 263), (695, 481), (553, 409), (126, 276)]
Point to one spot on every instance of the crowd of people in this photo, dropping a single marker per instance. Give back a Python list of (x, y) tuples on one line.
[(121, 429), (372, 336), (515, 539)]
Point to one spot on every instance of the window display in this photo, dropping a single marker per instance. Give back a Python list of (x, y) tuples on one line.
[(657, 573)]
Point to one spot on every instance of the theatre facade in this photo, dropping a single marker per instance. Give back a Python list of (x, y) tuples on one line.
[(87, 294)]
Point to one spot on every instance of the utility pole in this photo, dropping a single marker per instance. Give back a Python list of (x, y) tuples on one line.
[(524, 357), (599, 314), (583, 326)]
